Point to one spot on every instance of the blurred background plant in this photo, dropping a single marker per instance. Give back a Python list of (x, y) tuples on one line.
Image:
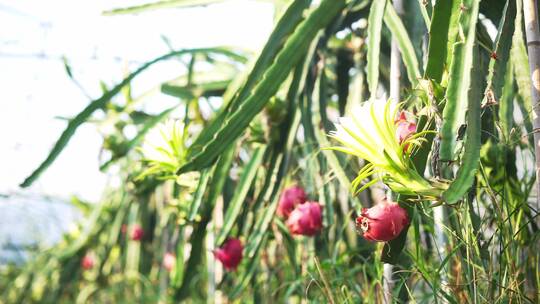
[(247, 126)]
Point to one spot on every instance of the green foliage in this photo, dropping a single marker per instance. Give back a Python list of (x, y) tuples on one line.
[(276, 73), (439, 38), (471, 157), (375, 21), (394, 23), (459, 81), (101, 102)]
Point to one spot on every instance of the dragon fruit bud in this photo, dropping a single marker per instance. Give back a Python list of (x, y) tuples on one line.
[(169, 261), (405, 129), (306, 219), (382, 222), (230, 254), (137, 232), (87, 262), (290, 198)]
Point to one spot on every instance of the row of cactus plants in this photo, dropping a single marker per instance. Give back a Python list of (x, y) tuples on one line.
[(268, 198)]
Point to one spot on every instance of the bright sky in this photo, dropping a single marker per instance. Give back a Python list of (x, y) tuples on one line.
[(35, 34)]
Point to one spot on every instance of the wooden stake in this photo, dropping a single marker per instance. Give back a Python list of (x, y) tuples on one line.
[(532, 33)]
